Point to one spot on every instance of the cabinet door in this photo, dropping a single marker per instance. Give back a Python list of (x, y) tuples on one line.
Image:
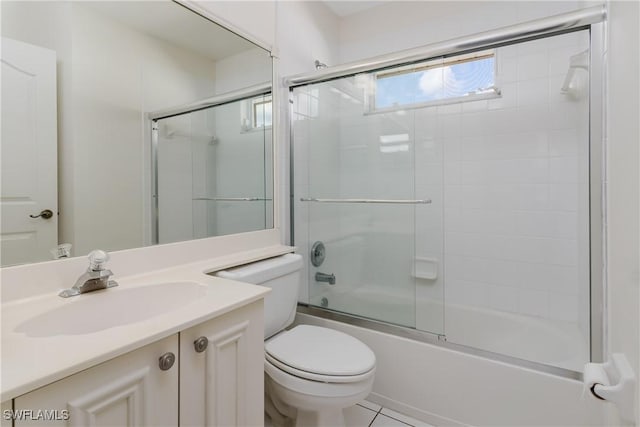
[(130, 390), (223, 385), (6, 412)]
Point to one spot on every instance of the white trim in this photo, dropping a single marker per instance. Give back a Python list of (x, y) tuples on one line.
[(495, 93)]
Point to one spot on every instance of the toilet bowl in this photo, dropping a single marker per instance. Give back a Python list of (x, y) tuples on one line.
[(314, 373), (311, 373)]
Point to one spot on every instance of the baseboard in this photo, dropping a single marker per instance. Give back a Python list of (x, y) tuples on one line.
[(419, 414)]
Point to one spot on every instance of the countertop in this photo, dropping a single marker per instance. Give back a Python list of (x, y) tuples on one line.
[(29, 361)]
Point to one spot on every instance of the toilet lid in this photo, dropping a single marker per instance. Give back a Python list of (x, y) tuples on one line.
[(321, 351)]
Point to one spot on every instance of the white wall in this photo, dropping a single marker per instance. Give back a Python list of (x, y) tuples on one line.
[(623, 164), (398, 25), (119, 74), (305, 31), (255, 65)]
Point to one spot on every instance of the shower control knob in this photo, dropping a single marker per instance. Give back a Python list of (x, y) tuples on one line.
[(201, 344), (166, 361), (317, 254)]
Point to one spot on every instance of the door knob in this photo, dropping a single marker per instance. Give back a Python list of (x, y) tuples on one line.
[(46, 214)]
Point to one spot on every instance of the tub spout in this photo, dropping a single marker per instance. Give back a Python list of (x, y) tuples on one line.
[(323, 277)]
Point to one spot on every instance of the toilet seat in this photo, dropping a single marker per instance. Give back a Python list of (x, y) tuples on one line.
[(320, 354)]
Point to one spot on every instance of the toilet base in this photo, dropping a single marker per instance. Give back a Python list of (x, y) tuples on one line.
[(288, 408), (283, 415), (324, 418)]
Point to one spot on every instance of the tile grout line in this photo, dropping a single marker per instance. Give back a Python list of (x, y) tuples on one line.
[(379, 412), (375, 416), (393, 418), (400, 421)]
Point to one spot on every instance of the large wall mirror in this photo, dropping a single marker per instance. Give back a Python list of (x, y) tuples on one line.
[(127, 124)]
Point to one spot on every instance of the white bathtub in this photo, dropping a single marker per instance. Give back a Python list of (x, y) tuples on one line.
[(551, 342), (442, 386), (556, 343)]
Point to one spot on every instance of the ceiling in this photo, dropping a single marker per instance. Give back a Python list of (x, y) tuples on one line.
[(349, 7)]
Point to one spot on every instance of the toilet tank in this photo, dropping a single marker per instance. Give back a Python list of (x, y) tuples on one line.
[(282, 275)]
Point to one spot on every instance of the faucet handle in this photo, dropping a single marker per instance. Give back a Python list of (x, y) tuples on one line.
[(97, 259)]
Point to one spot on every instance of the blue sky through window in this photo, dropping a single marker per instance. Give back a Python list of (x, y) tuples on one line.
[(435, 83)]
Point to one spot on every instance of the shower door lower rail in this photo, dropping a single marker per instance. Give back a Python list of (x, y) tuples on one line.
[(397, 202)]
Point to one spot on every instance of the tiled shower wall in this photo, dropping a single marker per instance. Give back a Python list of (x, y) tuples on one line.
[(516, 184)]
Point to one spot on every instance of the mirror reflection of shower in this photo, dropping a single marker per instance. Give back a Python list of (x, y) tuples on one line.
[(226, 150)]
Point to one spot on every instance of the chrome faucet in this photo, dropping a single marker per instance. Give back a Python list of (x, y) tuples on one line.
[(96, 277), (323, 277)]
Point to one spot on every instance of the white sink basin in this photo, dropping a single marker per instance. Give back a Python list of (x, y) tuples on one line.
[(109, 308)]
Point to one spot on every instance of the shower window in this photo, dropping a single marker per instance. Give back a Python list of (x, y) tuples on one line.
[(261, 112), (441, 81), (256, 113)]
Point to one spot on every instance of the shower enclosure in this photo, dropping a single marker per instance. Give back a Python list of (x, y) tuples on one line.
[(451, 198), (212, 166)]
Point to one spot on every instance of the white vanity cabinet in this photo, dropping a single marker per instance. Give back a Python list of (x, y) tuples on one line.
[(219, 385), (130, 390), (6, 408)]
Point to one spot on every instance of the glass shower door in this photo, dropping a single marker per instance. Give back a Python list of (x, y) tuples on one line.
[(213, 170), (499, 141), (356, 200)]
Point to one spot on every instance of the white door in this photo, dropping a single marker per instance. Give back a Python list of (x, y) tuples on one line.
[(28, 153)]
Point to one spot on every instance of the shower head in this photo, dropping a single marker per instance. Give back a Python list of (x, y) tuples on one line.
[(576, 62)]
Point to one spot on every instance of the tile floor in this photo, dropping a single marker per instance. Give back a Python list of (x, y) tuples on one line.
[(370, 414), (367, 414)]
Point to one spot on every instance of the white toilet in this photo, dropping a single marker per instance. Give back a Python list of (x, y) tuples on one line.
[(311, 373)]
